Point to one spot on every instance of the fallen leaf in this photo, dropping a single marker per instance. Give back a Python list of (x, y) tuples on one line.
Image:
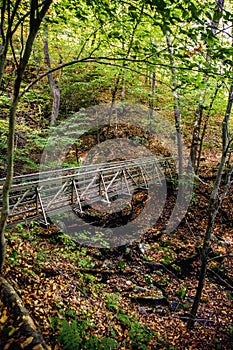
[(27, 342), (4, 317), (11, 331), (38, 347)]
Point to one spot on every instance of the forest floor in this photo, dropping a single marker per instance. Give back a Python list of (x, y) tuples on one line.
[(134, 297)]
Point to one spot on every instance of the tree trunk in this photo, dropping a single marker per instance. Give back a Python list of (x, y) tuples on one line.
[(9, 174), (203, 132), (153, 89), (213, 210), (2, 63), (4, 45), (8, 13), (197, 129), (151, 101), (218, 10), (176, 105), (196, 139), (120, 76), (54, 89)]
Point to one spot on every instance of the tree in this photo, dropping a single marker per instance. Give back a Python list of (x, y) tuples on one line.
[(54, 89), (197, 138), (214, 204), (36, 14), (7, 30)]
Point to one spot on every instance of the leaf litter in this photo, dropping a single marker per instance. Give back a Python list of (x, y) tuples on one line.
[(133, 297)]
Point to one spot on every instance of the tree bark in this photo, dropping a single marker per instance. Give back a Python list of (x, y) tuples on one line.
[(203, 132), (197, 129), (54, 89), (9, 177), (151, 100), (218, 10), (176, 105)]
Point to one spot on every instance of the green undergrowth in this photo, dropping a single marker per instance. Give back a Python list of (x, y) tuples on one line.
[(78, 331), (77, 334)]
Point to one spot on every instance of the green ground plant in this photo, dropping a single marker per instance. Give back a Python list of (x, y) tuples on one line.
[(76, 333)]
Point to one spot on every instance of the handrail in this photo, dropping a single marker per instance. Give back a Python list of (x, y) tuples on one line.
[(42, 192)]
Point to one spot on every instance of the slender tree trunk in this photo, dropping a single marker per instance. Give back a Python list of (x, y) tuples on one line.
[(8, 13), (3, 45), (176, 104), (151, 100), (197, 129), (196, 140), (5, 39), (2, 63), (54, 89), (9, 174), (120, 76), (219, 9), (213, 210), (153, 88), (203, 132)]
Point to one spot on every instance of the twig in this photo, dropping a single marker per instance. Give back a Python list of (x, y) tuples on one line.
[(82, 291), (160, 265), (221, 257), (190, 229), (220, 278), (203, 182)]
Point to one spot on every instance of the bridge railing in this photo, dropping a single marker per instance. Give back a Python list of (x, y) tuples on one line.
[(51, 190)]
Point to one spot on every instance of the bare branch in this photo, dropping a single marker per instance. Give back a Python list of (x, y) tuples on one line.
[(88, 60), (220, 278), (3, 10)]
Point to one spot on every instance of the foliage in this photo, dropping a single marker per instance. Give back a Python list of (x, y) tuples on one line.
[(140, 335), (109, 30), (77, 334)]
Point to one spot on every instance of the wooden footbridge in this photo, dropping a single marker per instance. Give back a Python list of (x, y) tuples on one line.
[(36, 195)]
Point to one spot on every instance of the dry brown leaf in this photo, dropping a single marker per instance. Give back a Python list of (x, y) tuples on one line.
[(38, 347), (27, 342), (4, 317)]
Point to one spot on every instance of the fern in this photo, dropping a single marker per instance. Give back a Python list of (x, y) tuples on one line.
[(108, 343), (77, 335), (70, 334)]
